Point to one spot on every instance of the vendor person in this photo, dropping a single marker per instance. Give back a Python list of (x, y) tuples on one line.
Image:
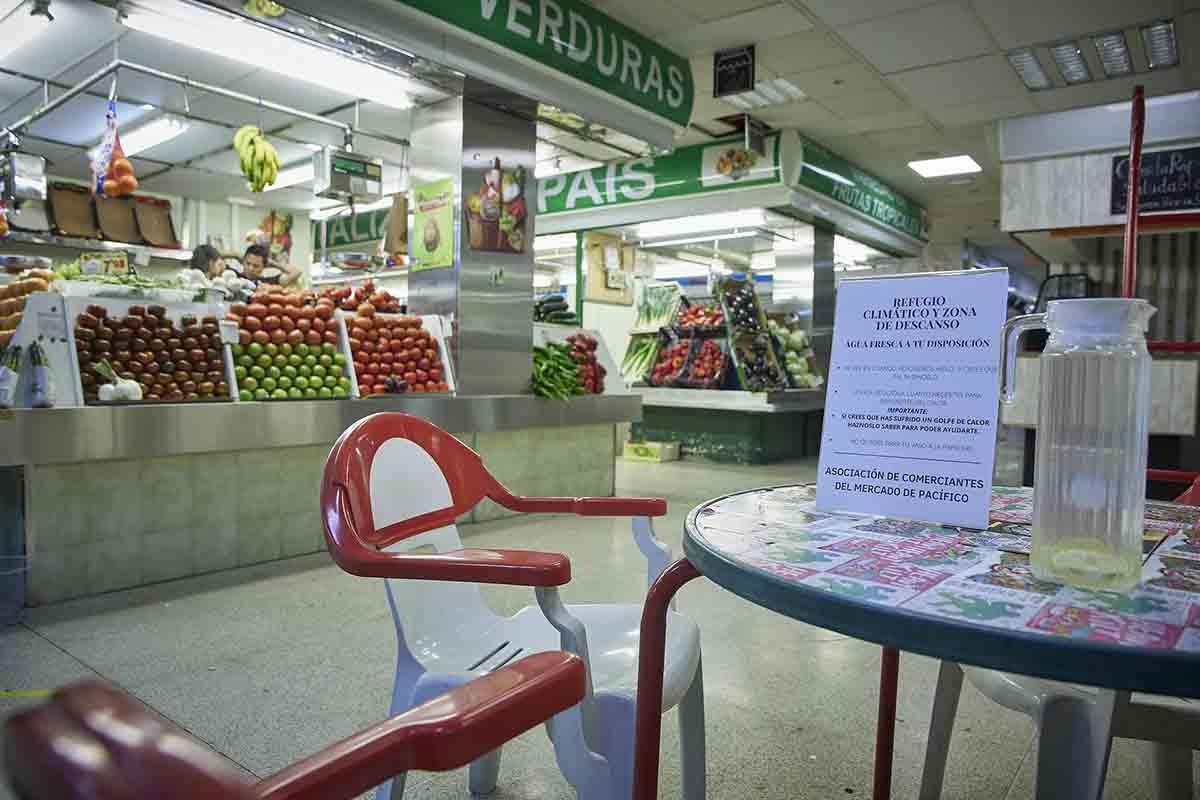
[(206, 259), (257, 266)]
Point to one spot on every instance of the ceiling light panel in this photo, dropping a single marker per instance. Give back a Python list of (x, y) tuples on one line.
[(1114, 54), (249, 43), (20, 28), (1030, 70), (776, 91), (141, 138), (746, 218), (1071, 64), (1159, 40), (941, 167)]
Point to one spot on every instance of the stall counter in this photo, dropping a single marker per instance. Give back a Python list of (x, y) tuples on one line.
[(117, 497)]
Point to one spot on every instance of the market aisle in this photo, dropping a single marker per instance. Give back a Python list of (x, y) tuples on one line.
[(271, 662)]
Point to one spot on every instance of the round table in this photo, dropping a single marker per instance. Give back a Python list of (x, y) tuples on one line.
[(956, 594)]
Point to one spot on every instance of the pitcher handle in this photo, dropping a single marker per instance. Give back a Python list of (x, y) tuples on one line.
[(1013, 329)]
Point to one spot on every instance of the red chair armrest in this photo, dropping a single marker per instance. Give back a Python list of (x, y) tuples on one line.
[(448, 732), (588, 506), (507, 567)]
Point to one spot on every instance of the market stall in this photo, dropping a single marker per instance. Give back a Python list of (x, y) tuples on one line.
[(712, 271), (188, 324)]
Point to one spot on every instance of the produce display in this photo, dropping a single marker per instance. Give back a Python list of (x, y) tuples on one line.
[(554, 309), (757, 367), (639, 356), (349, 299), (797, 356), (13, 296), (288, 371), (590, 372), (706, 370), (172, 362), (656, 306), (741, 302), (555, 373), (699, 317), (393, 353), (257, 156), (671, 361)]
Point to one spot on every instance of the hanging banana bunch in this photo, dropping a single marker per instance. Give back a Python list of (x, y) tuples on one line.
[(259, 161)]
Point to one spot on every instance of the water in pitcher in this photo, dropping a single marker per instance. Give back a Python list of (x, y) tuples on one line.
[(1091, 464)]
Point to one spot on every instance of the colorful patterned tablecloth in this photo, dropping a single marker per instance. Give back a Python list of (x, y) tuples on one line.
[(947, 574)]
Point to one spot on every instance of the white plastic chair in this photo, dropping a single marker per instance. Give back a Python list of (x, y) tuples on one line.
[(393, 486), (1075, 728)]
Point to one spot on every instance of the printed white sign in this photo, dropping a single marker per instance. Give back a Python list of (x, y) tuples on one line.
[(913, 395)]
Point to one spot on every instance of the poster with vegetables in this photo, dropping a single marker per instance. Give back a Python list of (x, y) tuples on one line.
[(496, 213), (432, 245)]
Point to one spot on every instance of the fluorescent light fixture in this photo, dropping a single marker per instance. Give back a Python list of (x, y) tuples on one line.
[(240, 201), (1070, 62), (292, 176), (1026, 63), (767, 93), (22, 26), (746, 218), (698, 239), (1159, 39), (341, 209), (557, 241), (1114, 54), (231, 37), (140, 138), (941, 167)]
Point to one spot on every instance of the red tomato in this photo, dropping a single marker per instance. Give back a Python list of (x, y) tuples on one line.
[(303, 325), (416, 387), (312, 338), (359, 368), (331, 337), (373, 369), (398, 347), (410, 377), (380, 389), (430, 353), (368, 347), (435, 374), (431, 386), (366, 379), (422, 376), (385, 358)]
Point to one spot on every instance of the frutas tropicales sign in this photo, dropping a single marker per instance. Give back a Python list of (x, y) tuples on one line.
[(573, 38)]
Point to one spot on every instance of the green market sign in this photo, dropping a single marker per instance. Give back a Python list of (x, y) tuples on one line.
[(831, 175), (691, 170), (353, 229), (573, 38)]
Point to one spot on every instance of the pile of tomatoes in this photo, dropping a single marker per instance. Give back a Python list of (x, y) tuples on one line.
[(670, 362), (701, 317), (285, 318), (708, 364), (393, 353)]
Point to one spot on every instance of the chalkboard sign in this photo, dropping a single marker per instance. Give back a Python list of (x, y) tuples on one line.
[(1170, 181), (733, 71)]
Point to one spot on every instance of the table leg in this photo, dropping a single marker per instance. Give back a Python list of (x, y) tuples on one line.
[(885, 731), (651, 652)]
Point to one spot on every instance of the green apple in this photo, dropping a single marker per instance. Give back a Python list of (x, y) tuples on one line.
[(258, 373), (305, 370), (310, 360), (284, 382), (254, 349), (295, 360), (330, 381), (239, 373), (271, 349), (236, 350), (335, 371), (281, 361), (290, 371), (324, 392), (344, 383), (265, 361), (246, 360), (326, 360), (269, 384), (340, 392), (295, 393), (245, 395), (310, 392), (274, 372), (279, 394), (339, 359), (261, 394), (318, 371), (285, 348), (300, 382), (250, 384), (328, 349), (302, 349)]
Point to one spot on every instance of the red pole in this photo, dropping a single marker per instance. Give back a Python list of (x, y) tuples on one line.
[(885, 726), (651, 652), (1137, 127)]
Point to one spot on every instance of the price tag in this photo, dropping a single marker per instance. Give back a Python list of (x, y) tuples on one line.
[(913, 396), (229, 331)]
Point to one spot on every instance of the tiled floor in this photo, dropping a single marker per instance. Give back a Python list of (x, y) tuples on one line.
[(269, 663)]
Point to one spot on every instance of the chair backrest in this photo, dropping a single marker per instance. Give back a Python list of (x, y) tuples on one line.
[(93, 742), (401, 474)]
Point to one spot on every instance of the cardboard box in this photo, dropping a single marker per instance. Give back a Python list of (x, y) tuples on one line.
[(655, 452)]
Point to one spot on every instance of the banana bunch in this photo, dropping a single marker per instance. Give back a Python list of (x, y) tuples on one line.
[(260, 162)]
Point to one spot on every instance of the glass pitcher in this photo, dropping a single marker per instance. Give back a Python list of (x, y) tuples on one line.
[(1089, 490)]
